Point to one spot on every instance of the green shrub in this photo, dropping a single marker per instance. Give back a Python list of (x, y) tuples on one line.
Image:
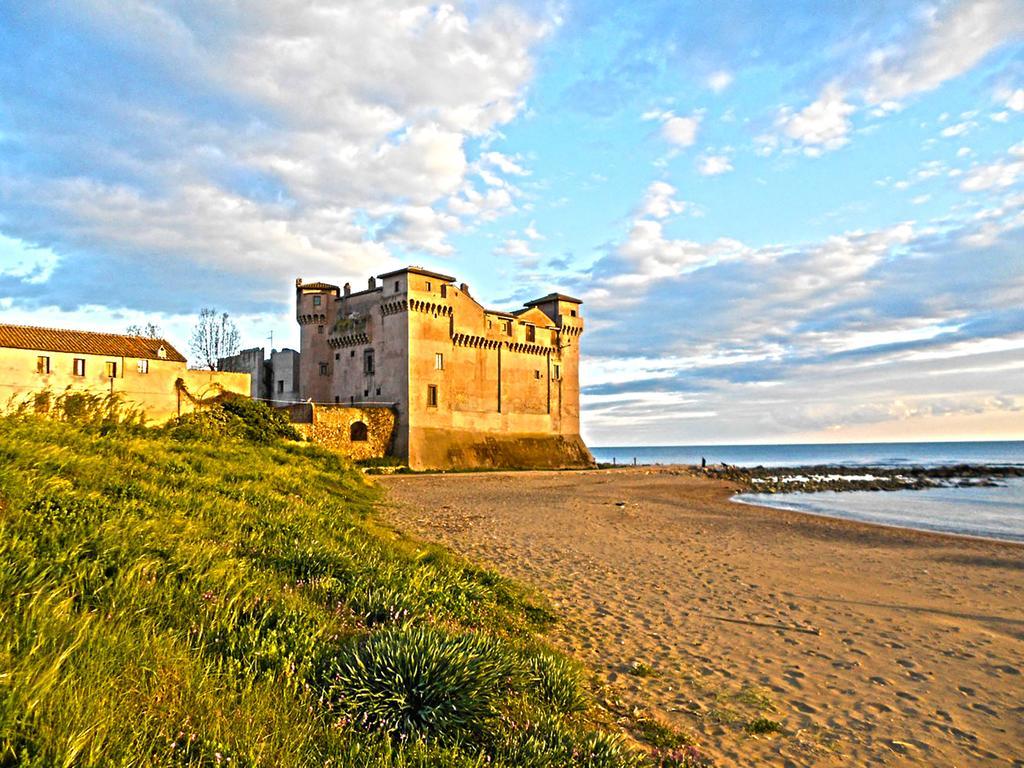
[(555, 680), (417, 681)]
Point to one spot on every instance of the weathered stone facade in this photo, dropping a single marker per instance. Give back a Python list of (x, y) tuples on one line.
[(359, 433), (471, 387), (275, 379)]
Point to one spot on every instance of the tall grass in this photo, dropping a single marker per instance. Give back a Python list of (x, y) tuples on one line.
[(171, 597)]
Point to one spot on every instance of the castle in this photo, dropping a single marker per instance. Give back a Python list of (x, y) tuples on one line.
[(470, 387)]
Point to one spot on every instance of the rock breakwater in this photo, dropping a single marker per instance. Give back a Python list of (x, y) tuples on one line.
[(817, 478)]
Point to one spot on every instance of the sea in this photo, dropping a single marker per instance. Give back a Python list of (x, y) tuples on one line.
[(987, 512)]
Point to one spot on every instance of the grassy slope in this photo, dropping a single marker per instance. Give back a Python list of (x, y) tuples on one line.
[(216, 602)]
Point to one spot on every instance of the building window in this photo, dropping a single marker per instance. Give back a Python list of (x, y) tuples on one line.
[(352, 353), (378, 390), (429, 286), (438, 361), (357, 433), (337, 355), (79, 366), (444, 291), (368, 362), (323, 369), (320, 329), (143, 366), (531, 333), (111, 370), (558, 372), (536, 374), (432, 395), (280, 386), (572, 313), (397, 284), (42, 364), (337, 399), (162, 352), (316, 301), (366, 393)]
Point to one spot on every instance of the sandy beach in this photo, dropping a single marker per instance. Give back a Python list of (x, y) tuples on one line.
[(870, 645)]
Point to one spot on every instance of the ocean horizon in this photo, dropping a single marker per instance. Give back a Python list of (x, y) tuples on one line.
[(938, 453), (986, 512)]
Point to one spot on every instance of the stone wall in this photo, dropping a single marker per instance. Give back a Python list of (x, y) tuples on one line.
[(332, 427), (468, 449)]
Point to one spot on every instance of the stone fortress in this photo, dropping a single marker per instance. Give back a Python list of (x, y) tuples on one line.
[(469, 386)]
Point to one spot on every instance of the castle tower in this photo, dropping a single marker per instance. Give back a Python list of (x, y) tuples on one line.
[(314, 311)]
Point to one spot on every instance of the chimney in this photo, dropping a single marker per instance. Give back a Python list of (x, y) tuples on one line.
[(348, 288), (372, 283), (464, 288)]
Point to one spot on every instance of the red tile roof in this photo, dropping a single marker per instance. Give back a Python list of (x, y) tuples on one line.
[(85, 342)]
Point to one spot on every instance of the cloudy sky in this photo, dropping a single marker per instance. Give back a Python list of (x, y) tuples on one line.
[(797, 221)]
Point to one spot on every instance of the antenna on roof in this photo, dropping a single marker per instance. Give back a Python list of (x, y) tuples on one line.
[(271, 337)]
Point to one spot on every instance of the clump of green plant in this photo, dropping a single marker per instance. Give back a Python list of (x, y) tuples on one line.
[(239, 417), (641, 669), (761, 725), (659, 734), (419, 681), (556, 680)]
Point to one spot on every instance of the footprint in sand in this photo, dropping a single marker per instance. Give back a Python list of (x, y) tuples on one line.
[(987, 710), (967, 691), (878, 680)]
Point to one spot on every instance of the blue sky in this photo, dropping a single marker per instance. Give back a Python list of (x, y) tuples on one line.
[(789, 221)]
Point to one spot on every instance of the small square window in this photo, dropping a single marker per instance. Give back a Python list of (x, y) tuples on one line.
[(79, 366), (280, 386), (111, 369), (366, 393), (536, 374), (572, 313), (337, 355), (143, 366), (316, 301), (323, 369), (378, 390), (42, 364), (320, 329), (431, 395), (352, 353), (337, 399), (438, 361)]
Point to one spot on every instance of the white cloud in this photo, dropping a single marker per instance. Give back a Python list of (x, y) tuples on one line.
[(1015, 100), (713, 165), (958, 129), (920, 199), (719, 81), (659, 201), (677, 130), (822, 125), (954, 41), (520, 250), (997, 175), (532, 233)]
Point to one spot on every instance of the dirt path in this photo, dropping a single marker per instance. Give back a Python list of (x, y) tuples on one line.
[(871, 646)]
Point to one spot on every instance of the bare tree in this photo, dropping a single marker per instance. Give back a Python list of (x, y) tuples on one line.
[(214, 336), (150, 331)]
